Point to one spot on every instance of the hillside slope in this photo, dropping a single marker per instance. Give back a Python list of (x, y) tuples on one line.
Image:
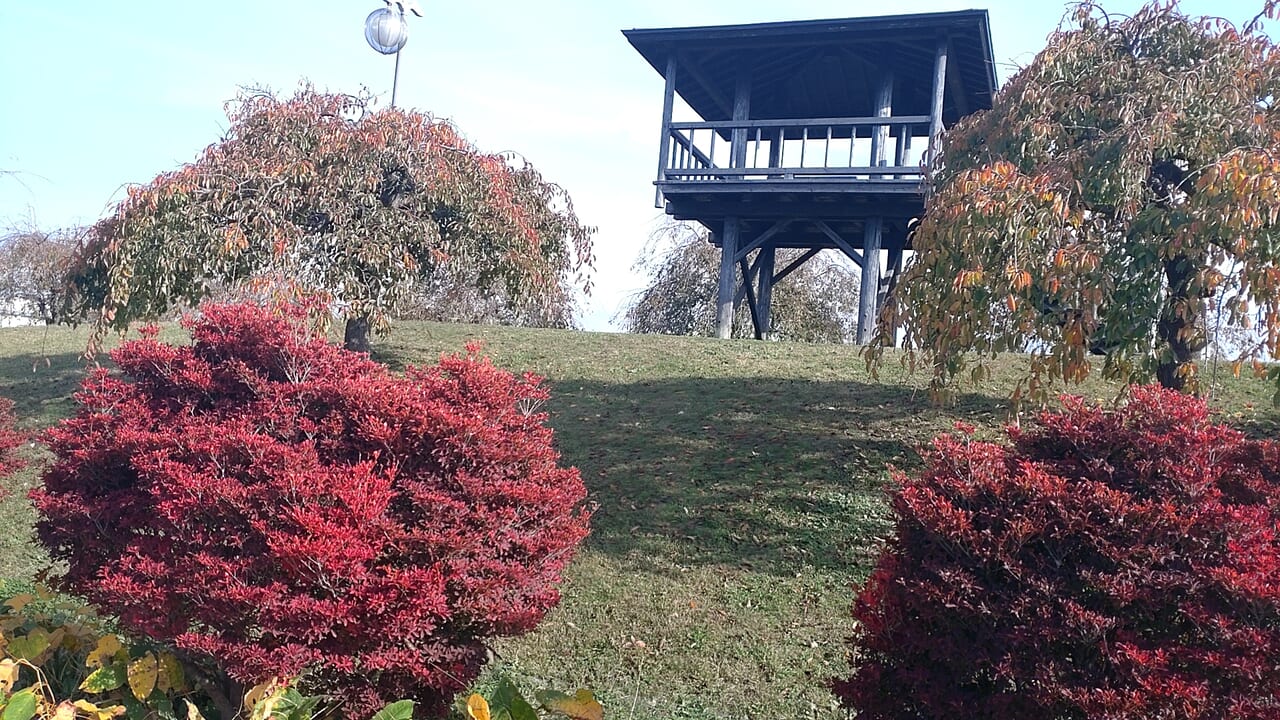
[(740, 493)]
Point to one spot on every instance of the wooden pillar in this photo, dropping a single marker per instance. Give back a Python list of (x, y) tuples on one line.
[(724, 304), (668, 103), (891, 286), (884, 108), (870, 288), (768, 255), (939, 94), (873, 230), (741, 111)]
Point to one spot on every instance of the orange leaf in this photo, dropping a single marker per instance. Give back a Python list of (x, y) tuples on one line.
[(477, 707)]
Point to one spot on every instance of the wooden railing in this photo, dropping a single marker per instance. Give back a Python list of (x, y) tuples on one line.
[(858, 148)]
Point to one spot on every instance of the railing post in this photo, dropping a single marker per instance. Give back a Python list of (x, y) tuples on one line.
[(902, 146), (668, 104)]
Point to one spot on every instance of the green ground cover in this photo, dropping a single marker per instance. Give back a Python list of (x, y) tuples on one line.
[(740, 491)]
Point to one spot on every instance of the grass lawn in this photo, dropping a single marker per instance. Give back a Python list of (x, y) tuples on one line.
[(741, 501)]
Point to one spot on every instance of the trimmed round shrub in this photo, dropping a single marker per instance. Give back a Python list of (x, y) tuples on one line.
[(273, 503), (1106, 564)]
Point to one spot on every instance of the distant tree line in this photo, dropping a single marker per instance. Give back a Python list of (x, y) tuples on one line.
[(817, 303)]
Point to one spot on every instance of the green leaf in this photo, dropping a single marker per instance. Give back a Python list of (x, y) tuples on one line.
[(106, 678), (508, 704), (293, 705), (399, 710), (30, 646), (22, 706)]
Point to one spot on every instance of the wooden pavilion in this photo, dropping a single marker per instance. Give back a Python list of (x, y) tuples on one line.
[(813, 135)]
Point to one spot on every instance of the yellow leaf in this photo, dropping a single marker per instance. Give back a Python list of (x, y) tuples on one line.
[(257, 692), (104, 652), (143, 673), (477, 707), (171, 675), (582, 706), (261, 700), (98, 713), (8, 675), (193, 712)]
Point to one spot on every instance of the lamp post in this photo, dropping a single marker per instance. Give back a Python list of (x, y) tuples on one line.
[(387, 31)]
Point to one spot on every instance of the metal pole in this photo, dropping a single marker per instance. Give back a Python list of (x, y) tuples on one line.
[(395, 80)]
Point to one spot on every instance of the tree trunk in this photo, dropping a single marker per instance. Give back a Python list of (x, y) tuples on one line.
[(1181, 325), (355, 337)]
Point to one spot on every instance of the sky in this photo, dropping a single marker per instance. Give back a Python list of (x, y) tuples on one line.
[(99, 95)]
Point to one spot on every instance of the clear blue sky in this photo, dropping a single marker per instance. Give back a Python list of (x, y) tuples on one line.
[(97, 95)]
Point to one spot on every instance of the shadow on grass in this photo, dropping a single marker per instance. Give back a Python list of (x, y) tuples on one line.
[(41, 386), (775, 475)]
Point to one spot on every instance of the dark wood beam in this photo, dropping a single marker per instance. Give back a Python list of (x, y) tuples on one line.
[(707, 86), (763, 238), (841, 243), (795, 264), (956, 87), (751, 300), (765, 296), (742, 289)]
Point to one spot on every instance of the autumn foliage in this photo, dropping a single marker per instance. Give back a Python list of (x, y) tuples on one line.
[(352, 205), (10, 440), (274, 503), (1106, 564), (1121, 196)]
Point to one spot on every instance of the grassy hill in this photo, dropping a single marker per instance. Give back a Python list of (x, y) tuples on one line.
[(740, 491)]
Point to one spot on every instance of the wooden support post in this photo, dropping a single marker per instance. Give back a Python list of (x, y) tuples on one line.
[(668, 104), (724, 305), (765, 296), (741, 112), (939, 94), (884, 108), (890, 280), (870, 288), (891, 286), (753, 303)]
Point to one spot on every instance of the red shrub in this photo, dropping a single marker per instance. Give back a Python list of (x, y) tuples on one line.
[(275, 503), (10, 440), (1109, 564)]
